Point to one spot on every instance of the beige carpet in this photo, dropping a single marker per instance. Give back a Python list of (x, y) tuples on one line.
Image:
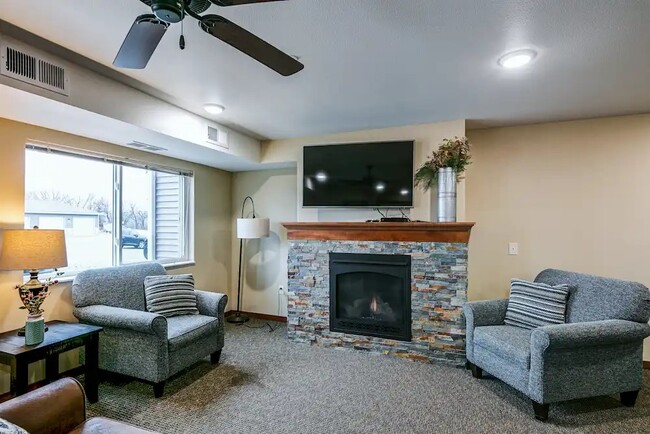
[(265, 384)]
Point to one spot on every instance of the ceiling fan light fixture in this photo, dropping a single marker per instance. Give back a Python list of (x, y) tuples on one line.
[(171, 11), (213, 109), (517, 59)]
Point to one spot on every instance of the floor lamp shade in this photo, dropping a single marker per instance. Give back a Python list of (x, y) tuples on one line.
[(253, 228)]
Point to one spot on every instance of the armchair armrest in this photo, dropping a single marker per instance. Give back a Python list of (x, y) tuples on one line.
[(588, 334), (57, 407), (117, 317), (211, 303), (483, 313)]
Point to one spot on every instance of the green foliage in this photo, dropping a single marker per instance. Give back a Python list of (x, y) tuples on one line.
[(452, 153)]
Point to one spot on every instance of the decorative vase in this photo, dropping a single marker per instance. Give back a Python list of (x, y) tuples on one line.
[(446, 194), (34, 329)]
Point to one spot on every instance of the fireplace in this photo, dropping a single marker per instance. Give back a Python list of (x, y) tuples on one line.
[(370, 295)]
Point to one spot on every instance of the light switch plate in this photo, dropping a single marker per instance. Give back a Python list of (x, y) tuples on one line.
[(513, 248)]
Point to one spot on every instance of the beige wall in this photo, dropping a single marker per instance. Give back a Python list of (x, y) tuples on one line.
[(212, 221), (278, 196), (265, 260), (574, 195), (427, 138)]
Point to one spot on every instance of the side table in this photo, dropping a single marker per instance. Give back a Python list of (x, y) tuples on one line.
[(61, 337)]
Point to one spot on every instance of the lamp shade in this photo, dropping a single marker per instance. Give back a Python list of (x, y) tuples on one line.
[(33, 249), (253, 228)]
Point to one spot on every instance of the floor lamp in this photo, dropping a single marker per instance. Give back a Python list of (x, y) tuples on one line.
[(247, 229)]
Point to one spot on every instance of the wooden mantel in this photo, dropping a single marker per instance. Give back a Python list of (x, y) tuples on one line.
[(367, 231)]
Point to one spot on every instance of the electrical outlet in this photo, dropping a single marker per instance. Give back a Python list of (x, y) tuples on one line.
[(513, 248)]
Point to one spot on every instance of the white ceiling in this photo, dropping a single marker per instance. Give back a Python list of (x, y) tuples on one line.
[(381, 63)]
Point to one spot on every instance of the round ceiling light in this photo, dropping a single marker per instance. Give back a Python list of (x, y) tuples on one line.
[(517, 59), (213, 109)]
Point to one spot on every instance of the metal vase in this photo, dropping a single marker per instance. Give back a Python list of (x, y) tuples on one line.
[(446, 195)]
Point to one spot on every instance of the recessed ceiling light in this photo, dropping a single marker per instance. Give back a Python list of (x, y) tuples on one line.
[(404, 192), (517, 59), (321, 176), (213, 109), (380, 186)]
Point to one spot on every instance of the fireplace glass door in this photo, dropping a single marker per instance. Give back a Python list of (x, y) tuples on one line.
[(371, 295)]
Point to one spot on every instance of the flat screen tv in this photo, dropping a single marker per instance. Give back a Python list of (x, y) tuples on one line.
[(373, 175)]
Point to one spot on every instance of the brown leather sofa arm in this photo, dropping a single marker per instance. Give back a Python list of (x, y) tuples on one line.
[(53, 409)]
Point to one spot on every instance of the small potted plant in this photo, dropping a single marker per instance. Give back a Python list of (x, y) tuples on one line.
[(445, 168)]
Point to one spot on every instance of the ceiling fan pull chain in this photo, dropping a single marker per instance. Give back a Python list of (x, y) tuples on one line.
[(181, 42)]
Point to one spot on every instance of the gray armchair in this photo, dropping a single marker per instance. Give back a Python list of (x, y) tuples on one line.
[(138, 343), (599, 351)]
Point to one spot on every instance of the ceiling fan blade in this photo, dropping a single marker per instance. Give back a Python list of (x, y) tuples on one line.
[(140, 43), (249, 44), (240, 2)]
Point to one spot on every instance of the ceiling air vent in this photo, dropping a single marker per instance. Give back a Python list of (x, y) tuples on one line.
[(33, 69), (218, 137), (145, 146)]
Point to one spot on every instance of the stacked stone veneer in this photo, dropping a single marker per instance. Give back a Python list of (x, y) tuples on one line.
[(438, 290)]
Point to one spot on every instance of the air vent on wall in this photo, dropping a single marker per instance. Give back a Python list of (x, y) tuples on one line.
[(145, 146), (33, 69), (218, 137)]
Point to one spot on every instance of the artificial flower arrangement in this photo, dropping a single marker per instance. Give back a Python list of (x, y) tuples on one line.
[(454, 153)]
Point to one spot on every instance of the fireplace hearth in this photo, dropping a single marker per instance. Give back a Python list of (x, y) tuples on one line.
[(370, 294)]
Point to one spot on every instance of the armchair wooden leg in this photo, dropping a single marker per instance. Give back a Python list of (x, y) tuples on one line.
[(628, 399), (541, 411), (159, 389), (476, 371), (214, 357)]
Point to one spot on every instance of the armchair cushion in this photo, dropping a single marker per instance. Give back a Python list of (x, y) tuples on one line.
[(509, 342), (185, 329), (170, 295), (116, 317), (535, 304)]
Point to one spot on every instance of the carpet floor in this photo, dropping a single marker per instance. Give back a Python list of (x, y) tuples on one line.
[(265, 384)]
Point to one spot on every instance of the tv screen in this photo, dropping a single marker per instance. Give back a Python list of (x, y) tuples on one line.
[(370, 175)]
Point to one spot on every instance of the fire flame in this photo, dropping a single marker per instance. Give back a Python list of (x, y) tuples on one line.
[(373, 305)]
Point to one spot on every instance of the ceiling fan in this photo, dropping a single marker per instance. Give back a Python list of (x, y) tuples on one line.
[(147, 31)]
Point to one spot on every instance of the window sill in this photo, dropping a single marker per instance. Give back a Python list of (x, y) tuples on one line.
[(168, 266), (182, 264)]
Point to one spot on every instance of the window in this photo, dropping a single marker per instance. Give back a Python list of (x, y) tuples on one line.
[(113, 212)]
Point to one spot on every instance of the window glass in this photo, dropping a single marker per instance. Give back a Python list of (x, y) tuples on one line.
[(137, 211), (73, 194), (76, 194)]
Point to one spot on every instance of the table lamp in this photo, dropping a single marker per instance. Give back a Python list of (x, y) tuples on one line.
[(247, 228), (33, 250)]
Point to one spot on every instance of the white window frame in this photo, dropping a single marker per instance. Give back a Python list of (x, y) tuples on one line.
[(186, 204)]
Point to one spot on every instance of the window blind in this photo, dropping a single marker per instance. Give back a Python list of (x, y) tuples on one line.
[(107, 158)]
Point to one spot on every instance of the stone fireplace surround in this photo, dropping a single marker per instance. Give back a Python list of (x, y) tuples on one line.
[(438, 254)]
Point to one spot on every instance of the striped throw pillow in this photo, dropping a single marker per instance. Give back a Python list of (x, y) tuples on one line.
[(170, 295), (533, 304)]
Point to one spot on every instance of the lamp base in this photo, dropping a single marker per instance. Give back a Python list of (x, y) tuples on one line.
[(238, 318), (21, 331)]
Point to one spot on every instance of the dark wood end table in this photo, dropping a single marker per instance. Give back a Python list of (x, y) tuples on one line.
[(61, 337)]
